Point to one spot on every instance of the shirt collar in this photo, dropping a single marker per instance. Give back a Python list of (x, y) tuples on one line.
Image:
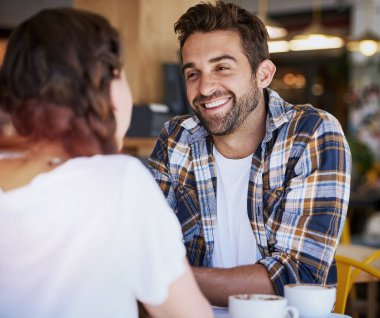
[(277, 110), (195, 128)]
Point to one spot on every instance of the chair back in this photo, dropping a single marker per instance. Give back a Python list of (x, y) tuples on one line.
[(348, 270), (346, 234)]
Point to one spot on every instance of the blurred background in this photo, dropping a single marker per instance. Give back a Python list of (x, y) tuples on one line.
[(327, 53)]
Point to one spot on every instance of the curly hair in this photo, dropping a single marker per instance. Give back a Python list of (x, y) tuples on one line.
[(55, 80), (207, 17)]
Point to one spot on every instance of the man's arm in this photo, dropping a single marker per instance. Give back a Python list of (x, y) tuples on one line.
[(307, 214), (218, 283)]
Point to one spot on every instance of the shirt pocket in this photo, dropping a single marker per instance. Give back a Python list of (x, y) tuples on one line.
[(272, 215), (281, 219), (272, 201), (188, 212)]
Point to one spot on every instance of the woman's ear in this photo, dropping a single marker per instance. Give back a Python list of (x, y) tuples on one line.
[(265, 73)]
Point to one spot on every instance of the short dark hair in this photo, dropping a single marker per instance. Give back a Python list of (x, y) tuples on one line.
[(207, 17), (55, 80)]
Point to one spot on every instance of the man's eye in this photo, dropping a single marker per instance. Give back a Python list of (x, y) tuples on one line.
[(222, 68), (191, 75)]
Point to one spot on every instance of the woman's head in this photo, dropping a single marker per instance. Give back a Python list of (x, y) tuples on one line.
[(56, 80)]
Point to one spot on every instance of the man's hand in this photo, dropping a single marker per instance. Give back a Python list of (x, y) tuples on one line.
[(219, 283)]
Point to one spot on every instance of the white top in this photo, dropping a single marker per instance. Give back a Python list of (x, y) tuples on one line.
[(234, 242), (86, 240)]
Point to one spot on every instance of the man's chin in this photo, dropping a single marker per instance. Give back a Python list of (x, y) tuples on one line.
[(217, 130), (215, 125)]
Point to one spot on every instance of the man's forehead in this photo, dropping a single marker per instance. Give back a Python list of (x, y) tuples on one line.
[(211, 46)]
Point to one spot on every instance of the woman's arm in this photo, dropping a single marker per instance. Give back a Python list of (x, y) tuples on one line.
[(185, 299)]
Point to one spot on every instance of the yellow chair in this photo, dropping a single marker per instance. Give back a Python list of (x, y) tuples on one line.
[(348, 272), (367, 255), (346, 234)]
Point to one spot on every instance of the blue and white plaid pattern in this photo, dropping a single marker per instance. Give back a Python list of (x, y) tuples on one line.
[(297, 196)]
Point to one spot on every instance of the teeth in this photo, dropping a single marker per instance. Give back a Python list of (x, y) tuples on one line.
[(216, 103)]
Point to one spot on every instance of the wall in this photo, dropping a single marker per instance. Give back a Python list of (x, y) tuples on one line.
[(146, 28), (12, 12)]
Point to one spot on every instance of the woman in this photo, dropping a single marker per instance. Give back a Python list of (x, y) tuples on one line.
[(84, 232)]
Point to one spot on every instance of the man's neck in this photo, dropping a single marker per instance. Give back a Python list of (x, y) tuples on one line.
[(245, 140)]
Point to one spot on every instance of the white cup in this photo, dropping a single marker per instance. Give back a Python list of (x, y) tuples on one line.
[(312, 301), (259, 306)]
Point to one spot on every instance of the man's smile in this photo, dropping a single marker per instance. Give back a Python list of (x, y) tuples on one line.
[(216, 103)]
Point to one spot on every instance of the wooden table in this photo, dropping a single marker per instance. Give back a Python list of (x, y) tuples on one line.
[(359, 253)]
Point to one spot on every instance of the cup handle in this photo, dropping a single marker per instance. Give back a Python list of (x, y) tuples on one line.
[(293, 311)]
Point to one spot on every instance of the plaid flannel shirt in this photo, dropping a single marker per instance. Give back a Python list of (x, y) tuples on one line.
[(297, 196)]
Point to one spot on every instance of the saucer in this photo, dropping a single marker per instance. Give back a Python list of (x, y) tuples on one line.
[(222, 312), (332, 315)]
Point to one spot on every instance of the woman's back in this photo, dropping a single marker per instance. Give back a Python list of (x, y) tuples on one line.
[(90, 241)]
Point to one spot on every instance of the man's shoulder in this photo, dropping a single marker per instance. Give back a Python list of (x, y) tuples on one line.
[(186, 122), (185, 128), (306, 113), (299, 118)]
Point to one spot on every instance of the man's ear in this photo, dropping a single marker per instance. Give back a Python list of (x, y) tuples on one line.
[(265, 73)]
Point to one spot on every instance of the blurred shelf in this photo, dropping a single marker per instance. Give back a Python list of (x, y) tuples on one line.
[(140, 147)]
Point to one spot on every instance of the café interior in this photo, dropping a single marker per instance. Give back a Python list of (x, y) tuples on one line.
[(327, 53)]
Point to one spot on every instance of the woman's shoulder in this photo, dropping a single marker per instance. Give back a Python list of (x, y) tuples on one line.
[(107, 162), (109, 168)]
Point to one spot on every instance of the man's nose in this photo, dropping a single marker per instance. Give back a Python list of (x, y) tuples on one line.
[(207, 85)]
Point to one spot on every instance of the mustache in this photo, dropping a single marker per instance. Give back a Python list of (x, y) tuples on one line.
[(201, 99)]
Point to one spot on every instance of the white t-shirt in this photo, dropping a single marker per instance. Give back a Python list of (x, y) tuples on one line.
[(86, 240), (234, 242)]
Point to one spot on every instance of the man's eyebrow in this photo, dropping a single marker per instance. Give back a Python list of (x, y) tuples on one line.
[(213, 60), (222, 57), (187, 65)]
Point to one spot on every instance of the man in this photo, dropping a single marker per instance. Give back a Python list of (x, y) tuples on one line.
[(259, 186)]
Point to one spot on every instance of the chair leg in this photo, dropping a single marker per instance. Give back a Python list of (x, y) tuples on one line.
[(372, 306), (353, 302)]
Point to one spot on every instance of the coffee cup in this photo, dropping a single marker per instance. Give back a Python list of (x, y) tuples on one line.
[(311, 300), (259, 306)]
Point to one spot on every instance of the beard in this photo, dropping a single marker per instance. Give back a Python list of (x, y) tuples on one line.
[(225, 124)]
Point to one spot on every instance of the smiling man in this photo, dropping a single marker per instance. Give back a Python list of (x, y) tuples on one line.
[(260, 186)]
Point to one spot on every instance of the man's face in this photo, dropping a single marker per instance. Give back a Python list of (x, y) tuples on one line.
[(220, 85)]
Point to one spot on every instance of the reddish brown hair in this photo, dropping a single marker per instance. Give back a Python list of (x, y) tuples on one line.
[(207, 17), (55, 80)]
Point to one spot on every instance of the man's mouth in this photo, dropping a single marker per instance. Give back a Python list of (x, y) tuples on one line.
[(215, 103)]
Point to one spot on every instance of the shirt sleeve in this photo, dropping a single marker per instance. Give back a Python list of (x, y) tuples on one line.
[(310, 216), (159, 252)]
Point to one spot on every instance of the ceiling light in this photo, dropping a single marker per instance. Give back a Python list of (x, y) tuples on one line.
[(316, 37), (316, 40), (367, 43), (275, 31), (278, 46)]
